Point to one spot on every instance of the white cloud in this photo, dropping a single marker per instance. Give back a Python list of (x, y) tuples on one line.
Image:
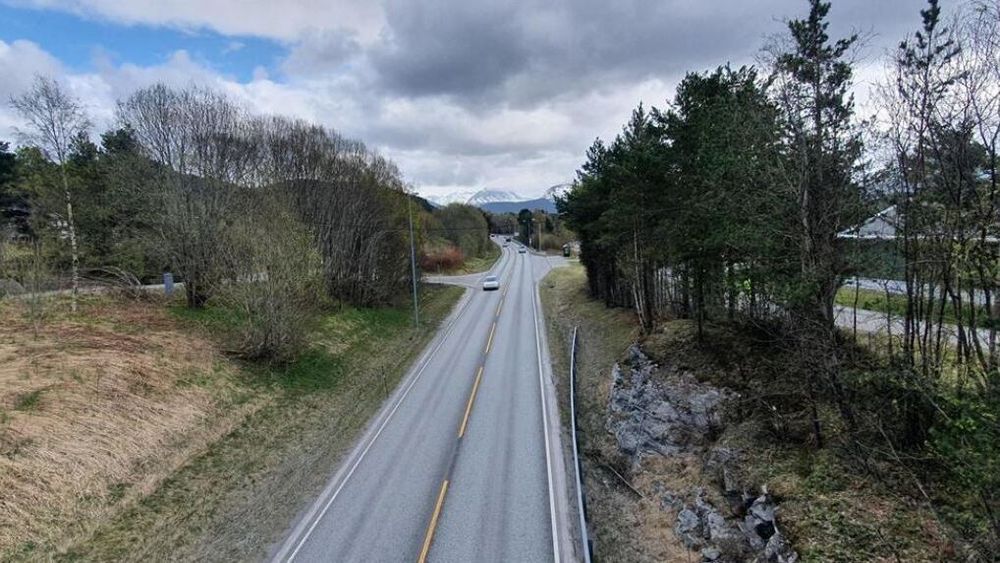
[(233, 46), (460, 96), (20, 61)]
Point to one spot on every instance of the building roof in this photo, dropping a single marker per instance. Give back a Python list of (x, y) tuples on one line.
[(881, 226)]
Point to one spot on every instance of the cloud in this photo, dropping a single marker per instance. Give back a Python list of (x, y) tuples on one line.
[(502, 94), (322, 52), (20, 61), (233, 46), (262, 18)]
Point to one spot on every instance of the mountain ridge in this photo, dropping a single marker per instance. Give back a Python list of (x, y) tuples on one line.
[(502, 201)]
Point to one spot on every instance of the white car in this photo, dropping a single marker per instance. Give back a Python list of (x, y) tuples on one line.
[(491, 282), (521, 250)]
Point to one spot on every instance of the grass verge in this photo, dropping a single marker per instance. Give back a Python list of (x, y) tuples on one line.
[(624, 525)]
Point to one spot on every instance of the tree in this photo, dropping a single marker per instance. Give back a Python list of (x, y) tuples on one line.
[(55, 119), (725, 213), (13, 204), (198, 148), (465, 226), (822, 148)]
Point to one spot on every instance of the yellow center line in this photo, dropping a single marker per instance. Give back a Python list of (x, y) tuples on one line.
[(499, 306), (489, 342), (434, 518), (472, 399)]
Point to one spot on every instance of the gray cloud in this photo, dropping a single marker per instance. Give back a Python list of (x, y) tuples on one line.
[(480, 54), (322, 51), (497, 93)]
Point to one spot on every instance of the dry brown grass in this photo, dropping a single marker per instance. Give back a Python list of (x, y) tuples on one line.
[(95, 411)]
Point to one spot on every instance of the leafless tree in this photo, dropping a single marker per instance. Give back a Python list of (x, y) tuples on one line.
[(202, 148), (54, 119)]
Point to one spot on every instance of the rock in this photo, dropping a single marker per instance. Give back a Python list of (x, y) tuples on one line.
[(761, 530), (10, 287), (711, 554), (720, 463), (688, 528), (660, 417), (777, 550), (674, 414)]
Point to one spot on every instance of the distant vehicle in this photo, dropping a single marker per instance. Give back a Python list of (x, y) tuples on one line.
[(506, 239), (491, 282), (522, 250), (505, 245)]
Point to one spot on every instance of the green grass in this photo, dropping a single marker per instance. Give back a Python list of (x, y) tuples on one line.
[(29, 401), (478, 264), (237, 498), (895, 304)]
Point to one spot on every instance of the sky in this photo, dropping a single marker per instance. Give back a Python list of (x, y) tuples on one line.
[(498, 94)]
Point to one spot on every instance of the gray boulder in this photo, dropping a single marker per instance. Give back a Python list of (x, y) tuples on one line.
[(10, 287)]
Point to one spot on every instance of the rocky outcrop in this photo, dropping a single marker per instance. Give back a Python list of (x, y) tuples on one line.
[(664, 418), (677, 415)]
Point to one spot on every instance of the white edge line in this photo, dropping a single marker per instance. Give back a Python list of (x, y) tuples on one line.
[(312, 515), (545, 422)]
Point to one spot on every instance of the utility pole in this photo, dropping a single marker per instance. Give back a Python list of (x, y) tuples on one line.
[(413, 262)]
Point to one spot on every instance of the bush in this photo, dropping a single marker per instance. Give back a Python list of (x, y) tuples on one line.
[(967, 443), (277, 283), (442, 259)]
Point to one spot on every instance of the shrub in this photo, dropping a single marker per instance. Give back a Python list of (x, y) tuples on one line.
[(442, 259), (277, 282)]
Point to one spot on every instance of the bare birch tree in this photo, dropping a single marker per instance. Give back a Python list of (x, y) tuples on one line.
[(54, 119)]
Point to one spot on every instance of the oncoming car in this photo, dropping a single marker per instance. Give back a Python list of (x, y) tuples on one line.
[(522, 250), (491, 283)]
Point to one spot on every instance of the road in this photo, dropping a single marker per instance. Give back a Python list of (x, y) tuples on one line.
[(464, 462), (874, 322)]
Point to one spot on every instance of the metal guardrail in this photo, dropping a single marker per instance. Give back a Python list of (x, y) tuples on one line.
[(581, 503)]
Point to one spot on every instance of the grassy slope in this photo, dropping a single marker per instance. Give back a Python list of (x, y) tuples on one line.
[(95, 409), (273, 436), (829, 510)]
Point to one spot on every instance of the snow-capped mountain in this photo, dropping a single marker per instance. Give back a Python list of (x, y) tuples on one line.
[(454, 197), (483, 197), (476, 197), (503, 201)]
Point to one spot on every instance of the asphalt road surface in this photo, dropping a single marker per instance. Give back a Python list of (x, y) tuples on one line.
[(464, 461)]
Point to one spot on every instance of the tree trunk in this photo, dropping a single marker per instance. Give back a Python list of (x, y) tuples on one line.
[(71, 227)]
